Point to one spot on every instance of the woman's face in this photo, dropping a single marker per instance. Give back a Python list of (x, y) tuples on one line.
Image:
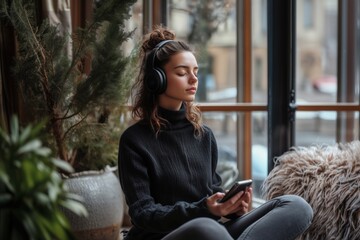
[(181, 73)]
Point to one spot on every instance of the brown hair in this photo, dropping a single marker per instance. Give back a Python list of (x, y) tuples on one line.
[(145, 103)]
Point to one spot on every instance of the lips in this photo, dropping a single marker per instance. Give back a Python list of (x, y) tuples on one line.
[(192, 89)]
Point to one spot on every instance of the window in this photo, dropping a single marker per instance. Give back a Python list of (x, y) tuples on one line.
[(231, 38)]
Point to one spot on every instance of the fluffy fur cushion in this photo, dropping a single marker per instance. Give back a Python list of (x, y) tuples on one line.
[(328, 177)]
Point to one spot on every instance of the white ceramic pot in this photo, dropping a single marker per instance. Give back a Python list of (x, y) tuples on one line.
[(104, 202)]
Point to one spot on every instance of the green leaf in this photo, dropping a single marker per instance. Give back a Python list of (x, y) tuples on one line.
[(45, 226), (58, 226), (5, 179), (75, 207), (4, 137), (54, 192), (62, 165), (28, 223), (74, 196), (14, 129), (42, 151), (42, 198), (25, 134), (30, 146)]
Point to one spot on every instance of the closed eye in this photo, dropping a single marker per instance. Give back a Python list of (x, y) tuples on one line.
[(181, 74)]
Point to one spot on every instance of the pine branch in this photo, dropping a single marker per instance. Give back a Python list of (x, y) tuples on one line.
[(55, 85)]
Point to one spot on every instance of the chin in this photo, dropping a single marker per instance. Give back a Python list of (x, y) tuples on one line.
[(190, 99)]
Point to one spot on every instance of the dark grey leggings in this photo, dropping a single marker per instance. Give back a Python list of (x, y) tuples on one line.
[(284, 217)]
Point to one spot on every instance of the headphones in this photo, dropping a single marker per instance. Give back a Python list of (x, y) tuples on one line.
[(155, 78)]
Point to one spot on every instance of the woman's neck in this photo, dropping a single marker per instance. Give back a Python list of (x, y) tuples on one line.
[(171, 105)]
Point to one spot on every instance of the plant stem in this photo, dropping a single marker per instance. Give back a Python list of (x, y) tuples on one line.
[(57, 130)]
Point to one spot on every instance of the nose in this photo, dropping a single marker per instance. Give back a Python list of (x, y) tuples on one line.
[(193, 78)]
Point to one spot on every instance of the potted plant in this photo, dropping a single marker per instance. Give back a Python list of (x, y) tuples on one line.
[(32, 193), (78, 92)]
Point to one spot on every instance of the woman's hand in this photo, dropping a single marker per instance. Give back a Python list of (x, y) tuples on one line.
[(245, 203), (238, 204)]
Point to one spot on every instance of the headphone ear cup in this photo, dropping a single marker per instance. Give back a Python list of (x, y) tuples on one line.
[(156, 81), (161, 80)]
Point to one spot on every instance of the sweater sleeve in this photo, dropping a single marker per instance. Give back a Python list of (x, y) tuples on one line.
[(216, 186), (158, 218), (145, 213)]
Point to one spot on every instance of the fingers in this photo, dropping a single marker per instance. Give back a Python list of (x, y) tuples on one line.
[(216, 197), (247, 196), (233, 203), (241, 205), (238, 204), (242, 210), (213, 204)]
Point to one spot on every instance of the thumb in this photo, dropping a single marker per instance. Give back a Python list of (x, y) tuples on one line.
[(216, 197)]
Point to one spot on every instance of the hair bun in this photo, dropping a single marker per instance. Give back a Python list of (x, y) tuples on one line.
[(158, 35)]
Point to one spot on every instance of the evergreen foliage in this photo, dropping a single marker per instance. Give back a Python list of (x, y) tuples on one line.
[(79, 105)]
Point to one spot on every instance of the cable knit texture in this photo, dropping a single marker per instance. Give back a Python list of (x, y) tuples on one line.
[(167, 178)]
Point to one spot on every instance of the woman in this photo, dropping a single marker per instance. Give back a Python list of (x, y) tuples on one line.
[(167, 161)]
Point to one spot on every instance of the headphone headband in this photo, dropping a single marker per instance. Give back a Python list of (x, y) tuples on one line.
[(157, 48), (162, 43)]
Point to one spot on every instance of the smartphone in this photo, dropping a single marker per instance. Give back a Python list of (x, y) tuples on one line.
[(237, 187)]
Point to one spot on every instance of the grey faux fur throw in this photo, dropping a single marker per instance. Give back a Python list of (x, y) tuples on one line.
[(328, 177)]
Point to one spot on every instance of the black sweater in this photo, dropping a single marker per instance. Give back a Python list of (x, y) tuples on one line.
[(167, 178)]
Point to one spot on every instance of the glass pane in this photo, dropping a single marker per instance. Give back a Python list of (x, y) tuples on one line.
[(210, 26), (316, 55), (315, 128), (223, 126), (259, 151), (318, 128), (259, 51)]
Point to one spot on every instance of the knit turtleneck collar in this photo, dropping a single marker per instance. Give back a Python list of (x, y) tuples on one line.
[(173, 116)]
